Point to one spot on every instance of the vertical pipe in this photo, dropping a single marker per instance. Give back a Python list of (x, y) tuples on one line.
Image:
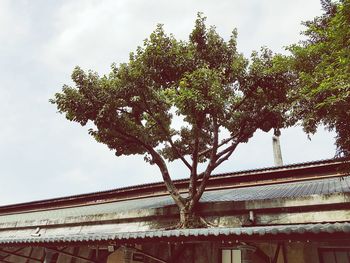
[(277, 154)]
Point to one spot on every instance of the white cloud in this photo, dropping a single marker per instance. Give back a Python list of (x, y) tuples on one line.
[(43, 155), (14, 24), (93, 34)]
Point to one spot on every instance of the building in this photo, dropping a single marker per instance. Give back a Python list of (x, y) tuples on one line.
[(293, 213)]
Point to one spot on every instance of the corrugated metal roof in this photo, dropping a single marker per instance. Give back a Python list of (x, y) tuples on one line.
[(146, 185), (238, 232), (281, 190), (251, 193)]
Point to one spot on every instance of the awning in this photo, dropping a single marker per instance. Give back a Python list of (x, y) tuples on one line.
[(63, 235)]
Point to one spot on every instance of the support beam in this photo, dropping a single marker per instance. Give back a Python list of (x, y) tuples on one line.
[(42, 258), (284, 251), (30, 254), (276, 253), (73, 250), (16, 250), (14, 253)]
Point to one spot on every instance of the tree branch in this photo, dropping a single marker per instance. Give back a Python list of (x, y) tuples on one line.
[(157, 159), (249, 93), (149, 111), (225, 154), (192, 188), (226, 150), (173, 191), (234, 109), (210, 167), (178, 153), (223, 142)]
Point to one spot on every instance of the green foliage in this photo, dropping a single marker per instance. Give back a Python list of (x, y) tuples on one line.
[(322, 63), (205, 81)]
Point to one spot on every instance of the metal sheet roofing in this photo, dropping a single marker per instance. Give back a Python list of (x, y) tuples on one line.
[(251, 193), (238, 232), (101, 194), (281, 190)]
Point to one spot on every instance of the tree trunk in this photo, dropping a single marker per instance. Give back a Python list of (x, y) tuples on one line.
[(190, 219)]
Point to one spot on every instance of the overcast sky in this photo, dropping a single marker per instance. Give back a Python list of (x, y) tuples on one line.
[(42, 155)]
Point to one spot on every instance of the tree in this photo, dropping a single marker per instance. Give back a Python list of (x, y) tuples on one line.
[(322, 66), (205, 81)]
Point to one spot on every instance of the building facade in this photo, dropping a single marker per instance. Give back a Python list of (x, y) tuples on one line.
[(293, 213)]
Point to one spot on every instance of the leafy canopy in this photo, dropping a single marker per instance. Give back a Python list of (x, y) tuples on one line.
[(221, 98), (203, 79), (322, 63)]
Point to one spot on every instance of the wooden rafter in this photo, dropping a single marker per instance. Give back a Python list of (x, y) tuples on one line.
[(75, 253), (30, 254), (15, 253), (3, 257), (276, 253), (284, 252)]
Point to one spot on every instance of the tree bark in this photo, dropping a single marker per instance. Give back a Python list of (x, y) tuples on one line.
[(189, 218)]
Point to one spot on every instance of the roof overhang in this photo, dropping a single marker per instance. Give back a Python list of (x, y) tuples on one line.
[(94, 235)]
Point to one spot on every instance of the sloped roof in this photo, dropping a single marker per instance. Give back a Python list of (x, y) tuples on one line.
[(250, 193), (216, 181), (122, 219), (183, 234)]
